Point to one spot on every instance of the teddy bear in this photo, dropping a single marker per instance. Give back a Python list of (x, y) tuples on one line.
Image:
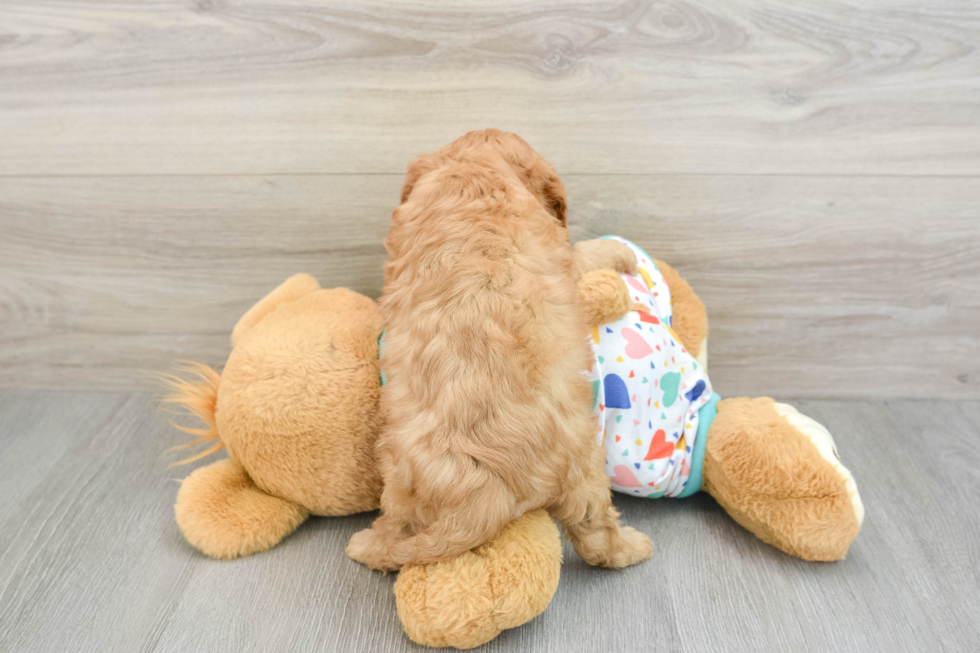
[(666, 433), (297, 406)]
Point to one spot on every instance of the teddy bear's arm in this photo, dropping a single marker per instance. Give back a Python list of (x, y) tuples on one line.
[(690, 319), (605, 297), (222, 513)]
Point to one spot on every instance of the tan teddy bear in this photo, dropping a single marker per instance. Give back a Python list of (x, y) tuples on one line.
[(297, 407)]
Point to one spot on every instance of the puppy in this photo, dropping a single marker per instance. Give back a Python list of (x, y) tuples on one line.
[(486, 401)]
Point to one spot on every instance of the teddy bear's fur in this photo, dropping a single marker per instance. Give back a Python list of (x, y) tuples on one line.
[(297, 408), (467, 601), (770, 476)]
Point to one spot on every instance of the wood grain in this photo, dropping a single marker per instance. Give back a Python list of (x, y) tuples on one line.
[(91, 559), (234, 86), (815, 286)]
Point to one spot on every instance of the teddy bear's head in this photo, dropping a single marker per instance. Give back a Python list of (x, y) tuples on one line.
[(297, 403)]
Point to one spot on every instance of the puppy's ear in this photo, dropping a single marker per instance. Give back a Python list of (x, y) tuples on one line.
[(421, 165), (544, 183), (557, 201)]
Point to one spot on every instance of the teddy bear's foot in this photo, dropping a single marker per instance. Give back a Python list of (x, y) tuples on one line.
[(467, 601), (222, 513), (777, 473)]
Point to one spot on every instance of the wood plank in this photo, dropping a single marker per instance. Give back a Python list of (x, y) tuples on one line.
[(815, 286), (90, 557), (821, 87), (107, 281)]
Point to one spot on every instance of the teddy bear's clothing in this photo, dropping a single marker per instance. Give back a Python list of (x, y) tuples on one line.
[(652, 399)]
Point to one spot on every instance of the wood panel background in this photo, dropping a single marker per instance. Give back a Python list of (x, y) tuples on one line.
[(812, 168)]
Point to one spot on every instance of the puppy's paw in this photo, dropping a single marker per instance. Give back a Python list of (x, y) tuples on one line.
[(603, 254), (367, 548), (631, 546), (623, 258)]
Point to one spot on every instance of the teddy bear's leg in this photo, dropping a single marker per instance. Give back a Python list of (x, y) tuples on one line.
[(777, 473), (296, 286), (690, 319), (221, 512), (467, 601)]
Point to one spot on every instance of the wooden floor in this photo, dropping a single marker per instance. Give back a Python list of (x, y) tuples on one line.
[(91, 559)]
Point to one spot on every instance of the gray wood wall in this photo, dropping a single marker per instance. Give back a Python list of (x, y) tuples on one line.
[(812, 168)]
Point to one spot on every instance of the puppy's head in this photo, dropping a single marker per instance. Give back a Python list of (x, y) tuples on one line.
[(490, 145)]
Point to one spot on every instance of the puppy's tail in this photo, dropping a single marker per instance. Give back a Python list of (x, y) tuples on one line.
[(457, 532), (199, 398)]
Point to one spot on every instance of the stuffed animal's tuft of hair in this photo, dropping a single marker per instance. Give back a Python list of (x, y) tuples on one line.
[(200, 399)]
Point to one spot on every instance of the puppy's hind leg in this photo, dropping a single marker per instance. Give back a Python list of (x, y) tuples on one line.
[(592, 524), (391, 543), (373, 547)]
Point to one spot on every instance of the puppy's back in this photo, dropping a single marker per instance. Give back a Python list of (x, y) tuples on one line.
[(486, 339)]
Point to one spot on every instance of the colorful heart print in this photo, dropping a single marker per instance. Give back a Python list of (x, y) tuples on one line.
[(636, 345), (659, 447), (624, 477), (617, 396), (669, 383)]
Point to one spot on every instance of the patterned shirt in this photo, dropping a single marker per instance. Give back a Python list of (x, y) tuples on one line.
[(647, 393)]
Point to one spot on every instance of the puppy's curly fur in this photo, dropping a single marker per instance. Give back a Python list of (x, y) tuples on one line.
[(488, 411)]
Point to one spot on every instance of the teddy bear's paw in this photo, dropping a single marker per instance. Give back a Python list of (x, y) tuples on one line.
[(468, 600), (222, 513), (605, 298), (777, 473), (821, 438)]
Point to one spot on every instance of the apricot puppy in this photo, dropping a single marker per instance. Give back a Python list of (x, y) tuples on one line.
[(486, 404)]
